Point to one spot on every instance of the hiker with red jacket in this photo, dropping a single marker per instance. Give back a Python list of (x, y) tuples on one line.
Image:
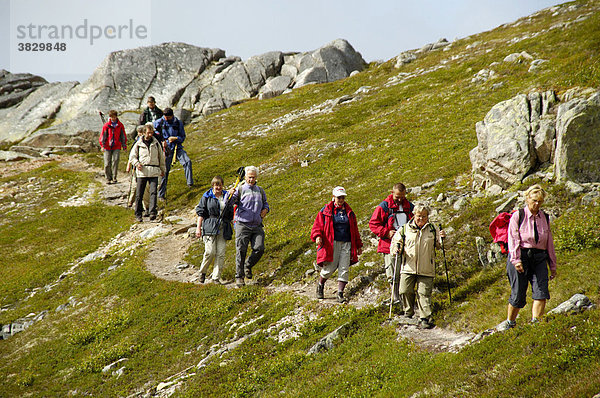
[(112, 140), (335, 231), (531, 253), (387, 218)]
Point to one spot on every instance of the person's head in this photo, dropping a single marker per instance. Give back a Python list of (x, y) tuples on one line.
[(150, 126), (140, 130), (168, 114), (251, 174), (399, 192), (534, 197), (421, 212), (113, 115), (339, 195), (148, 132), (217, 184), (151, 102)]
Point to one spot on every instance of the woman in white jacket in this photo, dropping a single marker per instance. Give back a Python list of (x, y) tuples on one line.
[(148, 159), (415, 243)]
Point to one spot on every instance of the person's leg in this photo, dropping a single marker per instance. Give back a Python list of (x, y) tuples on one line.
[(186, 162), (162, 190), (518, 290), (539, 285), (115, 163), (257, 241), (242, 239), (141, 185), (209, 253), (407, 293), (147, 196), (328, 269), (343, 269), (151, 191), (424, 290), (108, 165), (220, 244), (132, 189)]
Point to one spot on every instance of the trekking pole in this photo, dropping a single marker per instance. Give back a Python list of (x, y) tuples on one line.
[(102, 117), (446, 267), (241, 172), (174, 156), (393, 285)]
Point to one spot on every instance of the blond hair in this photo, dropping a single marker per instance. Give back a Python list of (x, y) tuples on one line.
[(537, 191)]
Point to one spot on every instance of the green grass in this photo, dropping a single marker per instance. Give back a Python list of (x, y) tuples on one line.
[(414, 132)]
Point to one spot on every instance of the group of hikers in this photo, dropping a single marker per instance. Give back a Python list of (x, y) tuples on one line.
[(407, 238)]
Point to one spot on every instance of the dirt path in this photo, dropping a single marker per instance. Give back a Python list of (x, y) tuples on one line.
[(172, 241)]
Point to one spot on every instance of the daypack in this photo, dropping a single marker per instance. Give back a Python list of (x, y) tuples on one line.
[(499, 227), (392, 213)]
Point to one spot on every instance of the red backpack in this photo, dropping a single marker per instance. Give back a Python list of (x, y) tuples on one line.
[(499, 227)]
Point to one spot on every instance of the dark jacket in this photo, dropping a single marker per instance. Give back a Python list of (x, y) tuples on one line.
[(146, 116), (167, 129), (208, 208), (323, 227)]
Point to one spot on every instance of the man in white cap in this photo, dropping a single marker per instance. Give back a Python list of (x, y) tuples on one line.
[(335, 231)]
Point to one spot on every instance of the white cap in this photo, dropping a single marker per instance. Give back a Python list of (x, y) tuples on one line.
[(339, 191)]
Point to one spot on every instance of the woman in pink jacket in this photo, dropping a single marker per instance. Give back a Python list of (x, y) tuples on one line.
[(531, 253)]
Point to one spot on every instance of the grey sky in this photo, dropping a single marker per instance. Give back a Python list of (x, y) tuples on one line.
[(379, 29)]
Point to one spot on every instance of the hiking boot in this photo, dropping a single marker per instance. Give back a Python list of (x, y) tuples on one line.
[(152, 217), (535, 320), (139, 218), (202, 278), (239, 282), (248, 273), (146, 214), (320, 294), (425, 323), (341, 298), (507, 324)]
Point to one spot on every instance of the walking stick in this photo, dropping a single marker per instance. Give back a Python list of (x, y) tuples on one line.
[(174, 156), (393, 285), (241, 172), (446, 267)]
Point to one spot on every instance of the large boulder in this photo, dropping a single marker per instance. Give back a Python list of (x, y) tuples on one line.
[(334, 61), (37, 110), (15, 87), (578, 140), (515, 136)]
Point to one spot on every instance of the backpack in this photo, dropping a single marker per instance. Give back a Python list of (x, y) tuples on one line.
[(499, 227), (391, 212)]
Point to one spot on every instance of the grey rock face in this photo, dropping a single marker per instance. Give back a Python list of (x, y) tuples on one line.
[(14, 88), (514, 137), (333, 61), (35, 111), (274, 87), (11, 156), (578, 140), (404, 58)]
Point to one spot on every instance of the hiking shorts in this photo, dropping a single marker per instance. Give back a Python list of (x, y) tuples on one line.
[(535, 266)]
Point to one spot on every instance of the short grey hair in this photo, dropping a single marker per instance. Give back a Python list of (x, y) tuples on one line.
[(248, 169), (140, 129), (149, 124), (421, 207)]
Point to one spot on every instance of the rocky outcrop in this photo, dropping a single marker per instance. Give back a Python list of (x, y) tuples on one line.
[(35, 112), (576, 304), (196, 81), (333, 61), (578, 140), (14, 88), (519, 136)]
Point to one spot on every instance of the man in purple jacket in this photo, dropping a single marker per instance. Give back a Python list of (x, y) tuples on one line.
[(252, 207)]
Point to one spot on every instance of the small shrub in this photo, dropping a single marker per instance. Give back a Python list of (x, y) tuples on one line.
[(578, 230)]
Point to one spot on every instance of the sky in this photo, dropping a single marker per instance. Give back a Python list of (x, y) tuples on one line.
[(72, 37)]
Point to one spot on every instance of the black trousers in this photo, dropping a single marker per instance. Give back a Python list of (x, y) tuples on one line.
[(139, 194)]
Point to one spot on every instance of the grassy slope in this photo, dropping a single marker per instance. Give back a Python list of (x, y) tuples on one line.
[(414, 132)]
